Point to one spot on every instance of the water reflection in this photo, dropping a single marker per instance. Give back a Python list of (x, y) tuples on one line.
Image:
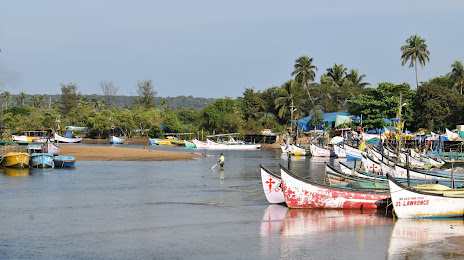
[(16, 172), (290, 233), (431, 239)]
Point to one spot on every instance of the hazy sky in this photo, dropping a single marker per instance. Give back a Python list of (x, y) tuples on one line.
[(216, 48)]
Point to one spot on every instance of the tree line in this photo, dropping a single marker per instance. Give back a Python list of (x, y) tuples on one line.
[(435, 104)]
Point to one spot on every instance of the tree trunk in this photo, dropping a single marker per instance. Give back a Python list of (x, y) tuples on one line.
[(415, 66)]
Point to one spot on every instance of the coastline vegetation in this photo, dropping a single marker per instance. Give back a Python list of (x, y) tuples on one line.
[(434, 104)]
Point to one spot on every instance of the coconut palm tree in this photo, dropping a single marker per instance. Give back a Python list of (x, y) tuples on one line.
[(41, 101), (305, 72), (21, 98), (6, 96), (289, 95), (415, 50), (337, 73), (355, 79), (457, 75)]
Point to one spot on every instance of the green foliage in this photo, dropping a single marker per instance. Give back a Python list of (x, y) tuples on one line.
[(147, 94), (437, 107), (415, 50), (316, 119), (155, 131), (69, 97)]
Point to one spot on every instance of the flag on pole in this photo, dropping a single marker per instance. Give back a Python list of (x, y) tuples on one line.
[(400, 126)]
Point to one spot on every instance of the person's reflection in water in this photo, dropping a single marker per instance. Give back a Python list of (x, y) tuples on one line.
[(221, 175)]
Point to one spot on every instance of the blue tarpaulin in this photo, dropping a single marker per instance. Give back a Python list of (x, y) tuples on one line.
[(329, 119)]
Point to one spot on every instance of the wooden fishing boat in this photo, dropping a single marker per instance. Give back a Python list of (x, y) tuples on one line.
[(285, 148), (116, 140), (338, 178), (371, 165), (409, 202), (52, 148), (42, 160), (301, 193), (219, 146), (352, 153), (340, 150), (16, 160), (189, 144), (272, 186), (64, 161), (34, 148), (200, 144), (176, 142), (317, 151), (345, 169), (61, 139), (298, 151)]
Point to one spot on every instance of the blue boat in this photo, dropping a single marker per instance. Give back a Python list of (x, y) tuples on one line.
[(42, 160), (64, 161)]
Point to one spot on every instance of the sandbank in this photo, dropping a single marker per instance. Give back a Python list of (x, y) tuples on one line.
[(111, 153)]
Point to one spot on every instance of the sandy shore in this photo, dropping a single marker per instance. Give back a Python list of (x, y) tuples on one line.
[(99, 153)]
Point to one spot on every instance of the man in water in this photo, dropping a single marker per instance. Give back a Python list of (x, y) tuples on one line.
[(221, 161)]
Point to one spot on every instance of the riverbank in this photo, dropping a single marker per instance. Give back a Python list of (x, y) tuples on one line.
[(112, 153)]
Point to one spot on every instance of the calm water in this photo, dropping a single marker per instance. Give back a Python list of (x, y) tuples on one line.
[(185, 210)]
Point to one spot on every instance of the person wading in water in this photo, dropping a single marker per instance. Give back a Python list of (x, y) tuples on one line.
[(221, 161)]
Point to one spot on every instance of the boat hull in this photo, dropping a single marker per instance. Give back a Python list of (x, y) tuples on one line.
[(321, 152), (272, 186), (59, 138), (42, 160), (64, 161), (300, 193), (412, 203), (116, 140), (16, 160), (51, 148)]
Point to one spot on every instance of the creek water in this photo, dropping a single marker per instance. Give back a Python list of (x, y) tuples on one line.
[(186, 210)]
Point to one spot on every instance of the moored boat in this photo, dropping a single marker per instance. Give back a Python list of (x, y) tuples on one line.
[(189, 144), (301, 193), (42, 160), (16, 160), (64, 161), (409, 202), (317, 151), (116, 140), (72, 139), (272, 186), (52, 148)]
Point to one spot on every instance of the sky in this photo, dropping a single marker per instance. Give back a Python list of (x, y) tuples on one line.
[(216, 49)]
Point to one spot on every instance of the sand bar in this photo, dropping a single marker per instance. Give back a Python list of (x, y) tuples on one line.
[(111, 153)]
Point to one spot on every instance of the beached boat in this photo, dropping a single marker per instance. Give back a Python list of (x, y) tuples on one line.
[(42, 160), (317, 151), (72, 139), (51, 148), (177, 142), (301, 193), (271, 186), (64, 161), (220, 146), (409, 202), (16, 160), (286, 148), (22, 138), (34, 148), (116, 140)]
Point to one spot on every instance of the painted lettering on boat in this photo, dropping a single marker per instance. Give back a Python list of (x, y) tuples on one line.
[(412, 201)]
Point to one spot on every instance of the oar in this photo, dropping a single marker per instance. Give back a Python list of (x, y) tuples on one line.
[(214, 166)]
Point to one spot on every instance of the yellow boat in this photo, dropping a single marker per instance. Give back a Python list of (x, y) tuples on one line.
[(16, 160)]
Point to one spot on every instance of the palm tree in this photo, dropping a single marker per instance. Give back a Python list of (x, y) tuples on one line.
[(163, 103), (96, 102), (355, 79), (415, 50), (288, 96), (41, 101), (337, 73), (305, 72), (457, 75), (21, 98), (34, 102), (6, 96)]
